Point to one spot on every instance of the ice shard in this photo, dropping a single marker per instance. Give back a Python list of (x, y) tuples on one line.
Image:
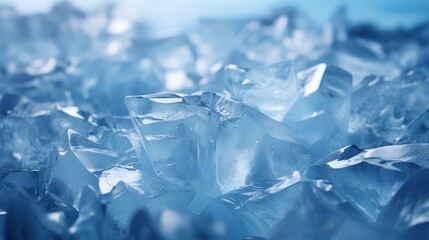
[(205, 139), (272, 89), (322, 112), (407, 212), (378, 117), (373, 176), (254, 210), (329, 215), (65, 184), (91, 216)]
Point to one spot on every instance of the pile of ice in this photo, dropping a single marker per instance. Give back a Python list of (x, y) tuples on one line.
[(270, 128)]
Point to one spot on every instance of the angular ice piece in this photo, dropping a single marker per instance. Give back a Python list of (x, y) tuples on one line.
[(378, 116), (320, 213), (418, 129), (178, 137), (91, 216), (90, 154), (68, 177), (363, 58), (409, 207), (254, 210), (31, 131), (272, 89), (191, 140), (373, 175), (30, 185), (322, 112), (111, 177), (128, 190), (122, 204), (22, 182), (254, 148)]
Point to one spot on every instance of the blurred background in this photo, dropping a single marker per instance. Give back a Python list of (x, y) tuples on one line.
[(169, 14)]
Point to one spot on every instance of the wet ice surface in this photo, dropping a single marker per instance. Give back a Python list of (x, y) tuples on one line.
[(270, 128)]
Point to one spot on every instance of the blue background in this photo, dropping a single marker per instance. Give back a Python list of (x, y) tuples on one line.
[(167, 14)]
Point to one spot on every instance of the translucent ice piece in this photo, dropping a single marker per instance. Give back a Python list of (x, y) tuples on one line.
[(409, 207), (322, 112), (124, 186), (90, 154), (123, 204), (68, 177), (178, 138), (91, 216), (31, 131), (363, 58), (24, 182), (254, 210), (272, 89), (378, 116), (418, 129), (124, 201), (320, 213), (181, 133), (373, 175)]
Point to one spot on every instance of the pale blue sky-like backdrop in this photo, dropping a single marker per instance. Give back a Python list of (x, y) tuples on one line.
[(168, 14)]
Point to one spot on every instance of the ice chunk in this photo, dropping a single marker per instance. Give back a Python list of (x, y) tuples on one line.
[(131, 190), (32, 131), (322, 112), (418, 129), (65, 184), (22, 182), (272, 89), (191, 140), (409, 207), (91, 216), (92, 155), (177, 138), (254, 210), (328, 214), (378, 116), (363, 58), (373, 175)]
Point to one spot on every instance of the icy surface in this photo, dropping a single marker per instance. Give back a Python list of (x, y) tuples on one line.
[(264, 128)]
